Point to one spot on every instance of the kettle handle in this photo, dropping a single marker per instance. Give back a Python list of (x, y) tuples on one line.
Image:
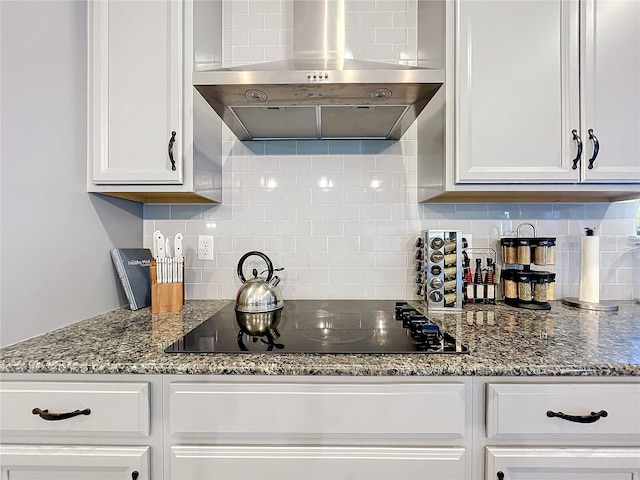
[(259, 254)]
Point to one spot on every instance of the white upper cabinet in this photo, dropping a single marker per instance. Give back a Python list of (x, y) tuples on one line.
[(518, 85), (142, 106), (611, 85), (530, 86), (136, 53)]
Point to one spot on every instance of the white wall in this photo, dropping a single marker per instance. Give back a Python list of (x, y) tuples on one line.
[(55, 237)]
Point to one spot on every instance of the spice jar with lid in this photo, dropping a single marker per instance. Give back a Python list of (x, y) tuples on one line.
[(509, 284), (509, 252), (524, 287), (539, 282), (551, 287), (524, 251), (540, 246), (551, 251)]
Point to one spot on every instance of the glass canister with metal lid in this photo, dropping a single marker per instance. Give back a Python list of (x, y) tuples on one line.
[(525, 293), (509, 250), (539, 283)]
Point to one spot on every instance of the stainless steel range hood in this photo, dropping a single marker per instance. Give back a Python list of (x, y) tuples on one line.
[(318, 94)]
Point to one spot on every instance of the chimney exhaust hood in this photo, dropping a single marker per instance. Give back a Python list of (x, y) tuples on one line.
[(318, 94)]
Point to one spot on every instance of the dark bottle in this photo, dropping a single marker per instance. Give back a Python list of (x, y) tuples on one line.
[(477, 277), (488, 277), (466, 275)]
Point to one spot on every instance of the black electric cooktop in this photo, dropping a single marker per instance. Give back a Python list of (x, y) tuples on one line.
[(320, 326)]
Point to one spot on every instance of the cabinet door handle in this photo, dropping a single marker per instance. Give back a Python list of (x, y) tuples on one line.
[(45, 415), (594, 417), (576, 137), (134, 475), (500, 475), (596, 148), (171, 142)]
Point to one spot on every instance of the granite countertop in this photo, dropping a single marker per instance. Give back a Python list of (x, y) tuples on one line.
[(502, 340)]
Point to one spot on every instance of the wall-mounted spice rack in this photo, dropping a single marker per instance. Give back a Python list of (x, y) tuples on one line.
[(521, 286)]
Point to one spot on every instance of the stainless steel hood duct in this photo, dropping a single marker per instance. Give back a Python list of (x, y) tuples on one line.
[(318, 94)]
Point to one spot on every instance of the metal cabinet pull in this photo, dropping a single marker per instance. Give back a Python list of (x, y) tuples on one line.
[(594, 417), (577, 159), (134, 475), (596, 148), (500, 475), (45, 415), (171, 142)]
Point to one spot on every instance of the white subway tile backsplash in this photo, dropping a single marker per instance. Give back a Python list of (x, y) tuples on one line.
[(391, 35), (375, 244), (297, 164), (327, 259), (327, 228), (345, 275), (265, 6), (296, 196), (327, 196), (296, 228), (280, 244), (263, 195), (359, 195), (327, 290), (343, 244), (311, 244), (376, 20)]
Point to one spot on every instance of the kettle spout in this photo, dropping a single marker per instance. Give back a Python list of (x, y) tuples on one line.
[(274, 281)]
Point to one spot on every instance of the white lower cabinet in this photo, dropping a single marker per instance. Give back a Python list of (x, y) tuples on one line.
[(563, 463), (73, 427), (253, 427), (306, 428), (562, 429), (73, 462), (316, 463)]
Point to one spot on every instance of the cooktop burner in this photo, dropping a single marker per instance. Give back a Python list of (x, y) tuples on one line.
[(320, 326)]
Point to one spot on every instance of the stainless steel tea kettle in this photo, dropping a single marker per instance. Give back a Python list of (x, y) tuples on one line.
[(258, 295)]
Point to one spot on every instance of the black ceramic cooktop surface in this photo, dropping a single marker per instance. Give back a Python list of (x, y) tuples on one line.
[(320, 326)]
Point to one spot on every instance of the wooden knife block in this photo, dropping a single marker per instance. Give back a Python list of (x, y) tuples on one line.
[(165, 297)]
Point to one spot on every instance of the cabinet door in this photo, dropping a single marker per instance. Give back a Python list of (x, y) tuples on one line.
[(135, 91), (563, 463), (517, 85), (612, 89), (41, 462), (316, 463)]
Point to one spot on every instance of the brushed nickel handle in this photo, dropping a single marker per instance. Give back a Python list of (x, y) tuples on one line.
[(45, 415)]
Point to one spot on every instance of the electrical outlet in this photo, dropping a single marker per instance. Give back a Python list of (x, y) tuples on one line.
[(205, 247)]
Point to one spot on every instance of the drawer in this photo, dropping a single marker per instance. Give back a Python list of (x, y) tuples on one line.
[(554, 411), (317, 463), (332, 411), (113, 408)]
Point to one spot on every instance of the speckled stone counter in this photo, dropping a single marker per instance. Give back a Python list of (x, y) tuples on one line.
[(502, 340)]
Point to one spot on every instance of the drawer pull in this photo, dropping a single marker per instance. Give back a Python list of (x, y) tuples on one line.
[(45, 415), (594, 417)]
